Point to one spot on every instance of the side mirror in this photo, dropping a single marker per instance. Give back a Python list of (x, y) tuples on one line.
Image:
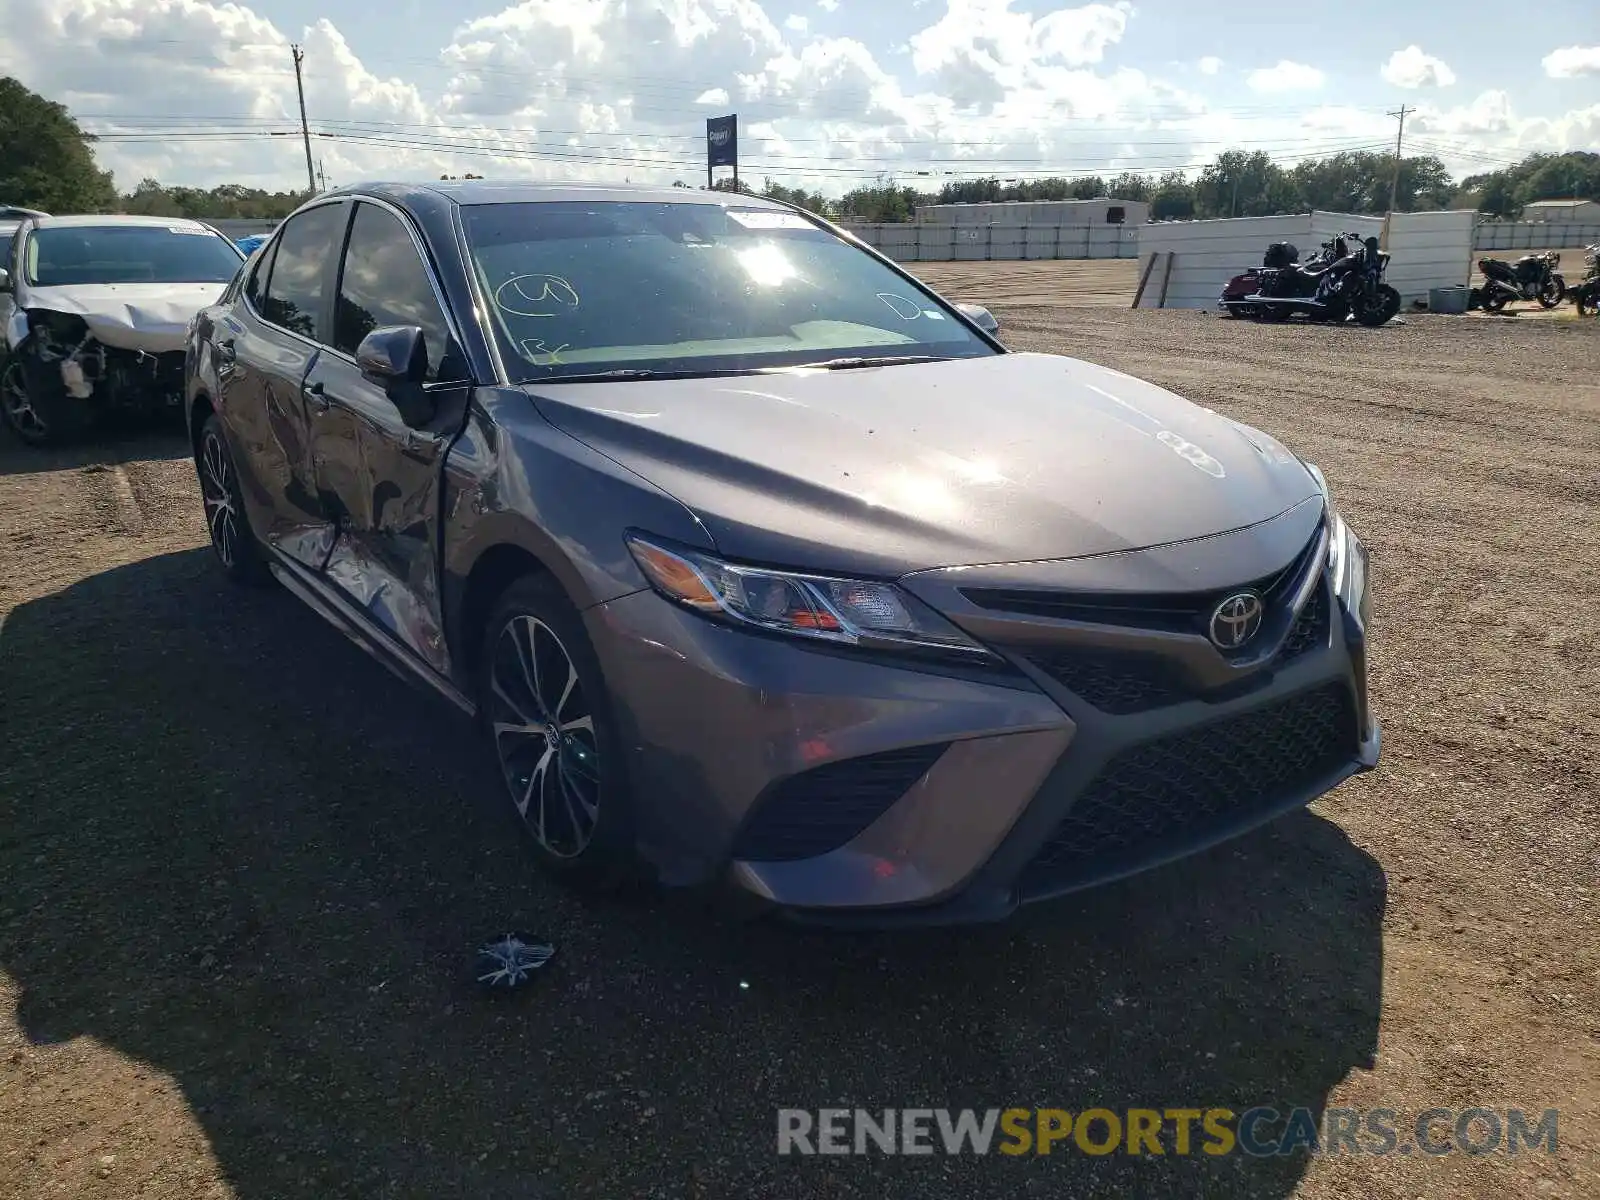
[(5, 280), (395, 357), (981, 317)]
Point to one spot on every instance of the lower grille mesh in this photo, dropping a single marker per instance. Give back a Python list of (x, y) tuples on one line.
[(1156, 797), (1310, 630), (821, 809), (1117, 683)]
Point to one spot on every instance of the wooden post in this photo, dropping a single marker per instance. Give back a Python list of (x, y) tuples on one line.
[(1144, 276), (1165, 276)]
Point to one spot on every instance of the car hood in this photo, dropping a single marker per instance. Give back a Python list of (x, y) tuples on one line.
[(884, 470), (131, 316)]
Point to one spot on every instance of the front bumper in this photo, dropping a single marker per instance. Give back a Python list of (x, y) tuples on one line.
[(1026, 793)]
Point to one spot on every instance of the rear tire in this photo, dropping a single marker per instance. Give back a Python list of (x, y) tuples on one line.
[(232, 540), (554, 737), (1494, 301)]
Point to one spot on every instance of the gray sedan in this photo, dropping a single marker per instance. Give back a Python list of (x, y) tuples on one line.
[(761, 565)]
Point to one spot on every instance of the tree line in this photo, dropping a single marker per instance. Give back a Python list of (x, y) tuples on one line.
[(1240, 184), (47, 162)]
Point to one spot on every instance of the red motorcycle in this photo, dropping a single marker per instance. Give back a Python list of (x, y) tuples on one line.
[(1280, 257)]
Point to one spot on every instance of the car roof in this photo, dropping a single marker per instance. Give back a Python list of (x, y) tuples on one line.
[(469, 192), (90, 222)]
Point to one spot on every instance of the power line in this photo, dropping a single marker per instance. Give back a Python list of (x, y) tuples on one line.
[(141, 124)]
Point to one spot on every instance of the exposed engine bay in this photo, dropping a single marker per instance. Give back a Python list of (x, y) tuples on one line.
[(66, 354)]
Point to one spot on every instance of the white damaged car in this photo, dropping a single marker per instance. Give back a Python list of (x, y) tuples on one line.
[(94, 312)]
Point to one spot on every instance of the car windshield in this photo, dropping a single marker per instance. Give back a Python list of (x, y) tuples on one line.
[(584, 287), (176, 253)]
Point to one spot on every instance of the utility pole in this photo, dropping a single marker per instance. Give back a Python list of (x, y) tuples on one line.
[(322, 179), (305, 129), (1394, 183)]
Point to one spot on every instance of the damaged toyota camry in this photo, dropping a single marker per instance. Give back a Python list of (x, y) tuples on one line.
[(94, 313), (760, 565)]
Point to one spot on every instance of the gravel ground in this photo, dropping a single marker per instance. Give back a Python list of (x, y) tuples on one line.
[(240, 876)]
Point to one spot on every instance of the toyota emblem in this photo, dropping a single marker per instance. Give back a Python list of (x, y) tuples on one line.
[(1236, 620)]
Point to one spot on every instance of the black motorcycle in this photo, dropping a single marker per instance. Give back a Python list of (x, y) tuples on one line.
[(1586, 293), (1531, 277), (1343, 282)]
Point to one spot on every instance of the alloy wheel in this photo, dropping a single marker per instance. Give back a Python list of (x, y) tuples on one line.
[(544, 736), (19, 410), (216, 490)]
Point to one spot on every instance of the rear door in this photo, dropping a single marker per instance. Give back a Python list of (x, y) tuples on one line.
[(380, 476), (266, 346)]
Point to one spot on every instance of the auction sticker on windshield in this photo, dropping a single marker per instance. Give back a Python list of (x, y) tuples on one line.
[(757, 219)]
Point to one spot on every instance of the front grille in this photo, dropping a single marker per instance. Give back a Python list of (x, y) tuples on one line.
[(1126, 682), (1152, 799), (1168, 612), (821, 809)]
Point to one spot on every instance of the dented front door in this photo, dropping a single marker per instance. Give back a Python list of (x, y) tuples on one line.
[(380, 481), (378, 477)]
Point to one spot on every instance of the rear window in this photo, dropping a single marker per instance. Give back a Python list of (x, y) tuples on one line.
[(82, 254)]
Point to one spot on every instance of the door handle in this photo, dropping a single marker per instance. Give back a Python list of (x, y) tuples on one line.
[(315, 396)]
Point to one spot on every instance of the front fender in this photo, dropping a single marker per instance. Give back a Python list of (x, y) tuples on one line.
[(512, 479), (16, 330)]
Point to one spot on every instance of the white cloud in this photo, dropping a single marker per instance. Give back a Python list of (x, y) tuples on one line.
[(980, 50), (1286, 77), (1210, 65), (828, 5), (796, 23), (1572, 60), (617, 89), (1411, 68)]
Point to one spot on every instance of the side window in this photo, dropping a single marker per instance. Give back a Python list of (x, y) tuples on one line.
[(294, 291), (255, 288), (384, 282)]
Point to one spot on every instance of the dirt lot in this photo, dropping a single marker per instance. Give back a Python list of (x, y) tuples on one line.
[(239, 878)]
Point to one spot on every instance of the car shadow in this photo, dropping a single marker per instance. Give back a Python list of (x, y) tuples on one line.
[(237, 850), (116, 442)]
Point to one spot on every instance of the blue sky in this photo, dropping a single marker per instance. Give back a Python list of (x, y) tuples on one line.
[(830, 94)]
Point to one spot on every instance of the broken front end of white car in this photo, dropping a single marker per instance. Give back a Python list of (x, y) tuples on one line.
[(61, 378)]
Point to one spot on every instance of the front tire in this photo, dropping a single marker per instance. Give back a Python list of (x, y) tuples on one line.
[(1553, 292), (36, 413), (1381, 308), (550, 723), (232, 539)]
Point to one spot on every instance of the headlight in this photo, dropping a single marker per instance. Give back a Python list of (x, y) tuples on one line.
[(1345, 553), (1338, 551), (851, 611)]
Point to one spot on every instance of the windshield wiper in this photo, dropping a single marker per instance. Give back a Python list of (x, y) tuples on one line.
[(646, 373), (633, 373), (887, 360)]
